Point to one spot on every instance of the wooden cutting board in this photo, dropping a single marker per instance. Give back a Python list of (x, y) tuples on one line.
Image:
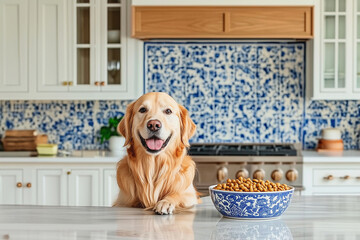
[(20, 133), (24, 143)]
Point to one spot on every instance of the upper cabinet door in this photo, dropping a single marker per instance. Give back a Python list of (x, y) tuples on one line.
[(222, 22), (51, 45), (356, 83), (52, 49), (86, 42), (336, 50), (14, 23), (334, 43), (114, 51)]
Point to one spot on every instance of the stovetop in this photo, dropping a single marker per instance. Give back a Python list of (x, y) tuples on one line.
[(242, 150)]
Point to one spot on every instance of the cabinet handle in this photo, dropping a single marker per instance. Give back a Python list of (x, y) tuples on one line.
[(19, 185), (65, 83), (345, 177), (102, 83), (68, 173), (70, 83), (28, 185), (97, 83), (358, 178), (6, 236), (330, 177)]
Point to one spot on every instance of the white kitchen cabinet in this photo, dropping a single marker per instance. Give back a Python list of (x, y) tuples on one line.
[(111, 189), (51, 187), (331, 179), (69, 182), (99, 37), (59, 50), (14, 26), (336, 53), (11, 191), (51, 45), (83, 187)]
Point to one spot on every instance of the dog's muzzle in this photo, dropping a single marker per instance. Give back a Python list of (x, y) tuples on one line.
[(154, 144)]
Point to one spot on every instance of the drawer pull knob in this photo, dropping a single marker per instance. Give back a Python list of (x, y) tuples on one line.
[(28, 185), (345, 177), (19, 185), (330, 177), (358, 178), (222, 174), (68, 173)]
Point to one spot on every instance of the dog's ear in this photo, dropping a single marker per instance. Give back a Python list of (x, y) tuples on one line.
[(125, 125), (187, 126)]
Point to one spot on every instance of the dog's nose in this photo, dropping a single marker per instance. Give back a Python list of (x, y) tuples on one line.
[(154, 125)]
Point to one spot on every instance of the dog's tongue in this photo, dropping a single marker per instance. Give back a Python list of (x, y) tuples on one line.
[(154, 144)]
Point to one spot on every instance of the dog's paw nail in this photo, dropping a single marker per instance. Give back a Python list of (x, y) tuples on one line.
[(164, 208)]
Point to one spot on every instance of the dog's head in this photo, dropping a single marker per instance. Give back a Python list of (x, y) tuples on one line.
[(156, 123)]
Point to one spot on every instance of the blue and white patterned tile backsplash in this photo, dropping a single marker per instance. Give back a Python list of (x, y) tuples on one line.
[(72, 124), (247, 92), (242, 92)]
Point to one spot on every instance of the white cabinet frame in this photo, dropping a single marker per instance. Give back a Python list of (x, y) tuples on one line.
[(14, 75), (32, 50), (350, 91)]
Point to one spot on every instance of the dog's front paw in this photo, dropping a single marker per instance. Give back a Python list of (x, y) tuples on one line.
[(164, 207)]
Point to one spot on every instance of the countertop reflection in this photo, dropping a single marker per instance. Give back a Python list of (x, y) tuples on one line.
[(308, 217)]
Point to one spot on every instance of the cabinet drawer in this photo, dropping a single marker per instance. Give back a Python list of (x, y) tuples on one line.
[(173, 22), (222, 22), (269, 22), (338, 177)]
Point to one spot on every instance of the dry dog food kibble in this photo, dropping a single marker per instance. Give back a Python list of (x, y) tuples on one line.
[(247, 185)]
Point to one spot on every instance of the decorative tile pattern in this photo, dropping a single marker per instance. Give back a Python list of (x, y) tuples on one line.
[(235, 92), (71, 124), (247, 92)]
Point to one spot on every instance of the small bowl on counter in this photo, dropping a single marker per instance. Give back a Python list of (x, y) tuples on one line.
[(47, 149), (251, 205)]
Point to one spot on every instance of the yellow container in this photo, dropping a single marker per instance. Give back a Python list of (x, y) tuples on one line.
[(47, 149)]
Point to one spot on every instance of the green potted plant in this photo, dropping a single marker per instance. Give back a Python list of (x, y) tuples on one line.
[(110, 133)]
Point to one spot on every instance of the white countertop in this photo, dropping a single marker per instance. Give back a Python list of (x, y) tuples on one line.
[(351, 156), (308, 217), (75, 157)]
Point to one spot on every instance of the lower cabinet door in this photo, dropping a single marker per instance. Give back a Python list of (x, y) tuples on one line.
[(111, 189), (51, 187), (11, 186), (83, 187)]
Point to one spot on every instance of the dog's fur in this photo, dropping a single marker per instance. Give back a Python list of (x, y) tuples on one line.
[(163, 180)]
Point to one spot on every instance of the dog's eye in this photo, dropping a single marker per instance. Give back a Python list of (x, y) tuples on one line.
[(168, 111), (142, 110)]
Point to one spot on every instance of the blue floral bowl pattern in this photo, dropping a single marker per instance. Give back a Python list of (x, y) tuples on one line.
[(251, 205)]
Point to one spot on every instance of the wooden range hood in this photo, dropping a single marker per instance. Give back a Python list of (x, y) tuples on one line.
[(185, 22)]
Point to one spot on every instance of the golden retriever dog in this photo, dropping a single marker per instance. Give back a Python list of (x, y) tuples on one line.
[(156, 173)]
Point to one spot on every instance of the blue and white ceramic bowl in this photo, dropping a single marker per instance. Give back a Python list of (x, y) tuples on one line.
[(251, 205)]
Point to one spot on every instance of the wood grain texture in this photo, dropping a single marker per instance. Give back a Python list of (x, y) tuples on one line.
[(23, 143), (272, 22), (222, 22), (20, 133), (162, 22)]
